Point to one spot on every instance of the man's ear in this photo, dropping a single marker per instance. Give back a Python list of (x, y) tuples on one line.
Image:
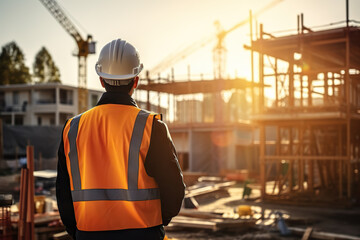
[(102, 82), (136, 81)]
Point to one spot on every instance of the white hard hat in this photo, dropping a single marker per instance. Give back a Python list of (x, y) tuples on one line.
[(118, 60)]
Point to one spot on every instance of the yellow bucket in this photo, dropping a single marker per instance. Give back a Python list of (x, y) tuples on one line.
[(244, 210)]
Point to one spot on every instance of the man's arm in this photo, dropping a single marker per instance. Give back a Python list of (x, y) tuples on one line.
[(63, 193), (162, 164)]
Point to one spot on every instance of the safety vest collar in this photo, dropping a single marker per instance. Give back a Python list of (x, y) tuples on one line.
[(116, 98)]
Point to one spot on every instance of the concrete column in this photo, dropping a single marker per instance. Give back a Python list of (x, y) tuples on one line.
[(76, 100), (12, 119), (57, 118), (32, 97), (57, 104), (57, 95)]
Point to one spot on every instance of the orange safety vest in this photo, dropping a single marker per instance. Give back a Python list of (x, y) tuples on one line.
[(105, 150)]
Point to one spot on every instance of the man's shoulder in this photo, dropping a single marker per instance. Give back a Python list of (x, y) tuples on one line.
[(161, 129), (160, 124)]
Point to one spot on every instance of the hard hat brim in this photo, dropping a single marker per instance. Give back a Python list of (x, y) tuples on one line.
[(118, 77)]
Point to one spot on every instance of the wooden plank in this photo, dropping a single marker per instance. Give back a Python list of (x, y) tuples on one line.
[(282, 181), (22, 204), (309, 87), (277, 178), (321, 173), (252, 66), (278, 163), (323, 235), (291, 83), (30, 231), (301, 160), (203, 86), (45, 218), (198, 214), (212, 224), (283, 119), (333, 175), (307, 233), (209, 189), (262, 162), (328, 41), (348, 84), (261, 75), (192, 223), (62, 236), (340, 165), (276, 83), (349, 178), (311, 162), (311, 176), (291, 163), (289, 118), (311, 157), (268, 170)]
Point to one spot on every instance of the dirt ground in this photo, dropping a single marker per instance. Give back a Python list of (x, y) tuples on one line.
[(322, 219)]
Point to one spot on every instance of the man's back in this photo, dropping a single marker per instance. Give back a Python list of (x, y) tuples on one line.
[(107, 169), (106, 119)]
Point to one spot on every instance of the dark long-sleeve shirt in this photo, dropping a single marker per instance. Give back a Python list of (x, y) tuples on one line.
[(160, 163)]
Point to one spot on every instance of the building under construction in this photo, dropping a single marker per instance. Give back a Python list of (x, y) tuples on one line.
[(210, 135), (314, 79), (303, 134)]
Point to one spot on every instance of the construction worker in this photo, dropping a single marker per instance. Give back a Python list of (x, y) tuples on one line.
[(118, 173)]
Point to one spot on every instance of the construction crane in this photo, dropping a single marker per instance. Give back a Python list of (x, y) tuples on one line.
[(85, 47), (219, 51)]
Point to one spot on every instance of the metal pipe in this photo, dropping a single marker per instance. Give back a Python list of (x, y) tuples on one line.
[(252, 65), (148, 91), (347, 13), (298, 23)]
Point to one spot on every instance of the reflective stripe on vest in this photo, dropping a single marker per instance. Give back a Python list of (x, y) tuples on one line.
[(130, 194)]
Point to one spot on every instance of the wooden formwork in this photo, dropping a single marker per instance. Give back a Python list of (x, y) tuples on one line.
[(308, 157), (309, 132)]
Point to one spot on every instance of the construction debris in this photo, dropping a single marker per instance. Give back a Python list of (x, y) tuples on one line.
[(6, 200), (214, 224), (26, 213), (197, 190)]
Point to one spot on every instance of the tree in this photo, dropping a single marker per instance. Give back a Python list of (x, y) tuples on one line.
[(44, 67), (12, 66)]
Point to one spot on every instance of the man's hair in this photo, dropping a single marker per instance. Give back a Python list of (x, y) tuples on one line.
[(119, 89)]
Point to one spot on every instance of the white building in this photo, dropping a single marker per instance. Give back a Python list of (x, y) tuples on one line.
[(48, 104)]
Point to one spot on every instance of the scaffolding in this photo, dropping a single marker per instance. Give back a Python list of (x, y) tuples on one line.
[(309, 119), (211, 133), (199, 100)]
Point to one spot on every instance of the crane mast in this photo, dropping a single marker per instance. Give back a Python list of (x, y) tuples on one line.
[(85, 47)]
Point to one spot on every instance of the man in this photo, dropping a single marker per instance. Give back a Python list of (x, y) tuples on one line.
[(118, 174)]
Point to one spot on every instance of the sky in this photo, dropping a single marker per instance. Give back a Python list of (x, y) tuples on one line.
[(157, 28)]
